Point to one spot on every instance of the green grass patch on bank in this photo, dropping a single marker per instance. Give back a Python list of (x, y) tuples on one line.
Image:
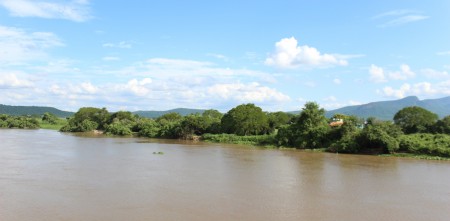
[(415, 156), (257, 140), (56, 126), (426, 144)]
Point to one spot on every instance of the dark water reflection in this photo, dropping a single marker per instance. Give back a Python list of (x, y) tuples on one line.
[(46, 175)]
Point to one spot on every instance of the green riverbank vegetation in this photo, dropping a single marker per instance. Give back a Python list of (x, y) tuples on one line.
[(412, 131), (46, 121)]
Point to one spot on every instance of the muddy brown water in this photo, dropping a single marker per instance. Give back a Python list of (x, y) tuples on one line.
[(47, 175)]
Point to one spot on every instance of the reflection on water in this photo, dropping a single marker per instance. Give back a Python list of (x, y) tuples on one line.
[(46, 175)]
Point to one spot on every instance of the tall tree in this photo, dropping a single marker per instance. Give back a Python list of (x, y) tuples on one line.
[(442, 126), (245, 119), (311, 127), (415, 119)]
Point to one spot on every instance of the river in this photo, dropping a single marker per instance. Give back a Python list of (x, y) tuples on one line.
[(47, 175)]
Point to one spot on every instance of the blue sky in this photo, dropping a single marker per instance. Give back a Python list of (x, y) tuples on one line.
[(159, 55)]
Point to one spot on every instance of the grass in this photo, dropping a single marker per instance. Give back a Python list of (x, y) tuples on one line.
[(45, 125), (415, 156), (256, 140)]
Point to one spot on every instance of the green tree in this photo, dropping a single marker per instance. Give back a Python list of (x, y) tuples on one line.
[(147, 127), (86, 118), (49, 118), (212, 119), (278, 119), (311, 127), (442, 126), (378, 136), (245, 119), (118, 128), (415, 119), (192, 124), (170, 117)]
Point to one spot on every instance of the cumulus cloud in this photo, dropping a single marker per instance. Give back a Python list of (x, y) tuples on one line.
[(157, 83), (399, 17), (288, 54), (418, 89), (13, 80), (379, 75), (404, 73), (139, 87), (252, 92), (77, 10), (17, 45), (434, 74)]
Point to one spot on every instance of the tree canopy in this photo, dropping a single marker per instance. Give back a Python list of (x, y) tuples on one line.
[(415, 119), (245, 119)]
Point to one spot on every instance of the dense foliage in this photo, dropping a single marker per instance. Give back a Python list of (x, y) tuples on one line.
[(415, 119), (22, 122), (248, 124), (245, 119)]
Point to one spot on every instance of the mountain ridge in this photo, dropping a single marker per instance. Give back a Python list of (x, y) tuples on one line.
[(383, 110)]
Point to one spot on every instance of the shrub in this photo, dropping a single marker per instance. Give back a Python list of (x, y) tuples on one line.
[(235, 139), (430, 144)]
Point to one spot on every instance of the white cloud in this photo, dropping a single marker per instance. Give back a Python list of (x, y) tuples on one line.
[(89, 88), (17, 45), (418, 89), (330, 98), (404, 73), (122, 44), (218, 56), (13, 80), (77, 10), (399, 17), (377, 74), (434, 74), (139, 88), (157, 83), (397, 93), (404, 20), (252, 92), (337, 81), (289, 55), (331, 103)]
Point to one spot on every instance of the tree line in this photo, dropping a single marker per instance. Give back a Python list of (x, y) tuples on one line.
[(413, 129)]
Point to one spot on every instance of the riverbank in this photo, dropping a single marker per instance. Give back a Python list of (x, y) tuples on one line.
[(269, 142)]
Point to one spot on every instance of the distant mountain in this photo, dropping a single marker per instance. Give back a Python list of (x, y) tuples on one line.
[(385, 110), (32, 110), (181, 111)]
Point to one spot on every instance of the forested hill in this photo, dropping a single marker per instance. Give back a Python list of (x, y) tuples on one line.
[(181, 111), (32, 110), (385, 110)]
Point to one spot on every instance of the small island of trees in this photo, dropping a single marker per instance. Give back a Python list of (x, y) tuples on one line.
[(414, 130)]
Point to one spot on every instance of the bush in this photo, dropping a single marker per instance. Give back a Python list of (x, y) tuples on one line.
[(147, 128), (347, 144), (235, 139), (118, 128), (430, 144), (375, 136)]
